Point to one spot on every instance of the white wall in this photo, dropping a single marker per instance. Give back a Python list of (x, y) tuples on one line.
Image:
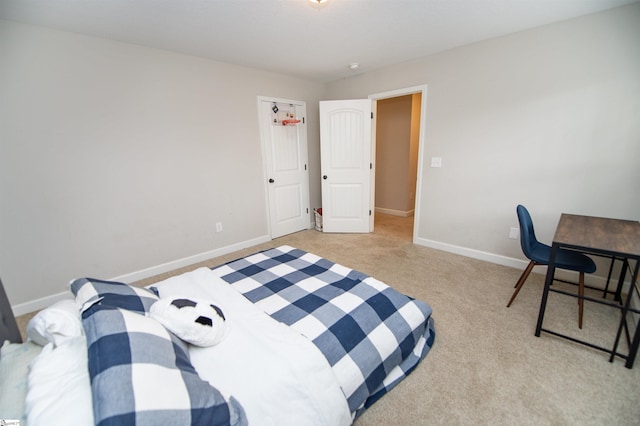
[(115, 158), (547, 117)]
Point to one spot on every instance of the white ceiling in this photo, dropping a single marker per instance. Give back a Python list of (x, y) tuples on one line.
[(297, 37)]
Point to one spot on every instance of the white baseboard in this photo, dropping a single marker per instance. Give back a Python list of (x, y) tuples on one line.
[(180, 263), (394, 212), (38, 304), (592, 280), (35, 305)]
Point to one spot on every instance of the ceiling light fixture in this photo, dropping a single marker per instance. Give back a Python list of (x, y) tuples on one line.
[(354, 66), (318, 1)]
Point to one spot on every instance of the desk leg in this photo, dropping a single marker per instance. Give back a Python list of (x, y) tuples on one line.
[(547, 283), (633, 350), (606, 288), (623, 276)]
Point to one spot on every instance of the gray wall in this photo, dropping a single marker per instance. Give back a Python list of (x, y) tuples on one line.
[(116, 158), (547, 117)]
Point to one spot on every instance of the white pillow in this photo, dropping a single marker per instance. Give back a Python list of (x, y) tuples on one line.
[(195, 321), (55, 324), (59, 390)]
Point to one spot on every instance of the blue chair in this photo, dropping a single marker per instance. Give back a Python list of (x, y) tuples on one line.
[(539, 254)]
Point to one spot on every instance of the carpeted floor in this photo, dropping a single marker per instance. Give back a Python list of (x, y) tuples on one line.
[(486, 366)]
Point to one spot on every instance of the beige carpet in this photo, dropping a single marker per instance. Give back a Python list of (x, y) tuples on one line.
[(486, 366)]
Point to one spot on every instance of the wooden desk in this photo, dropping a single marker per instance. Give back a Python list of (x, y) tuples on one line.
[(604, 237)]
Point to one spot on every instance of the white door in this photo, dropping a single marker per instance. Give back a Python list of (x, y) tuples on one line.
[(284, 145), (345, 144)]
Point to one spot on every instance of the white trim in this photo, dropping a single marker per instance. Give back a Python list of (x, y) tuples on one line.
[(186, 261), (36, 305), (399, 92), (592, 280), (472, 253), (41, 303), (373, 163)]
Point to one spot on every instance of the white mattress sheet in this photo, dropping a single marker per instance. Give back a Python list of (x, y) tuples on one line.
[(14, 367), (278, 375)]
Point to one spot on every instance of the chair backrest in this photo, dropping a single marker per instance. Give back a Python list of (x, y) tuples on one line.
[(527, 235)]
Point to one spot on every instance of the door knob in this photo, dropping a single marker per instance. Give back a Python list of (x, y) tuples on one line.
[(271, 180), (324, 177)]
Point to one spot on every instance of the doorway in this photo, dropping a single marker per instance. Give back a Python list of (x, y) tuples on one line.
[(398, 147)]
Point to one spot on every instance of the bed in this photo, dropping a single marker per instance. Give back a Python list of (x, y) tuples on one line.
[(297, 340)]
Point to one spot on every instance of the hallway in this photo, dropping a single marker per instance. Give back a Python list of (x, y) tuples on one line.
[(394, 226)]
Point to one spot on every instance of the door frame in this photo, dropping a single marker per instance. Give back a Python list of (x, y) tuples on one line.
[(263, 150), (421, 151)]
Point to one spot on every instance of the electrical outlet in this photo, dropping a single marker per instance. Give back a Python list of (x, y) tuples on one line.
[(219, 227), (514, 233)]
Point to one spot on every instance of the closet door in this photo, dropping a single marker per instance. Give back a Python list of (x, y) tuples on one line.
[(283, 132)]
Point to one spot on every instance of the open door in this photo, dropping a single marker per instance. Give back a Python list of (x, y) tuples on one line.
[(284, 143), (345, 144)]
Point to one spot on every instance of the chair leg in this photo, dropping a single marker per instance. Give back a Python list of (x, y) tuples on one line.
[(521, 281), (580, 300)]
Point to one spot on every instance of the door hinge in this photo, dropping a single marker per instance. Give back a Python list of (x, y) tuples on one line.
[(302, 120), (307, 210), (372, 115), (369, 212), (305, 167), (370, 166)]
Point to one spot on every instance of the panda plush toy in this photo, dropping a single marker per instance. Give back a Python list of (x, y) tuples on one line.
[(195, 321)]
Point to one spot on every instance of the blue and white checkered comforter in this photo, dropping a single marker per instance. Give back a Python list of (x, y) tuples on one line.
[(140, 372), (372, 335)]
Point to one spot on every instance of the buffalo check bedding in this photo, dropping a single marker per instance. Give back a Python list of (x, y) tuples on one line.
[(140, 372), (310, 342), (371, 335)]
